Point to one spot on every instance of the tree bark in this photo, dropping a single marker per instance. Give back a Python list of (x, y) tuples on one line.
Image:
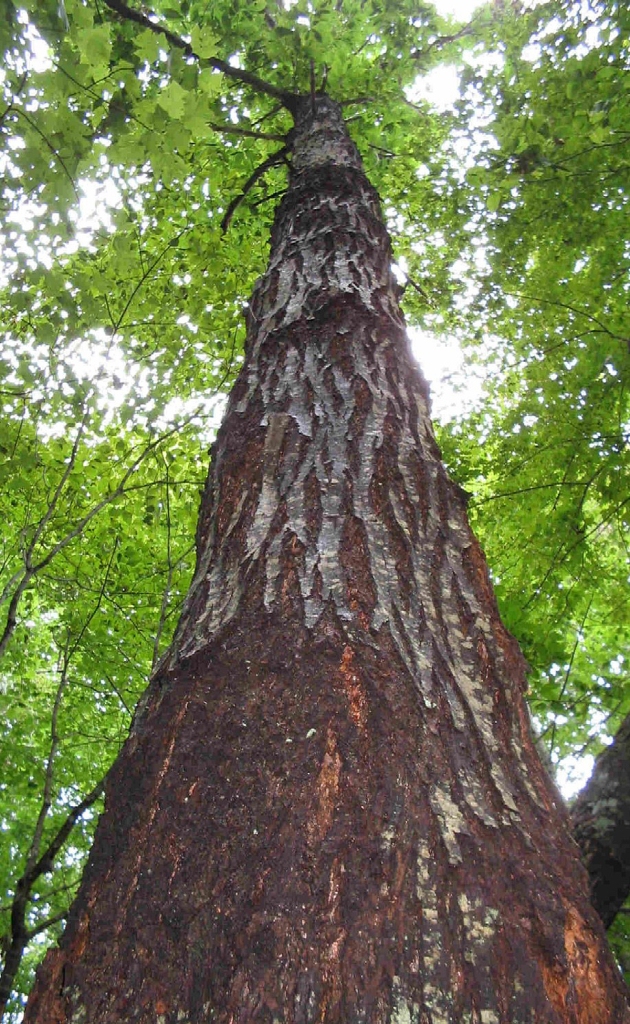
[(330, 808), (601, 823)]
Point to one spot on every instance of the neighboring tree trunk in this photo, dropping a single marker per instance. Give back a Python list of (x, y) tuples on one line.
[(601, 823), (330, 808)]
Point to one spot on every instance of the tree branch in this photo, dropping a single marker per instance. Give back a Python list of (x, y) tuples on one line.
[(48, 923), (418, 288), (230, 129), (43, 523), (577, 311), (52, 149), (68, 652), (20, 934), (169, 577), (357, 99), (441, 41), (30, 571), (526, 490), (604, 838), (288, 99), (272, 161), (11, 105), (565, 682), (34, 850)]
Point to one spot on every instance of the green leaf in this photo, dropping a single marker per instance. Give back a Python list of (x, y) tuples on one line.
[(147, 45), (80, 15), (204, 42), (173, 99), (95, 44), (573, 88), (210, 81)]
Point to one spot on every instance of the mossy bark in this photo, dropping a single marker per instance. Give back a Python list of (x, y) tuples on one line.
[(330, 808)]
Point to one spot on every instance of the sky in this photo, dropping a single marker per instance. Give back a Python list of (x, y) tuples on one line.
[(460, 9)]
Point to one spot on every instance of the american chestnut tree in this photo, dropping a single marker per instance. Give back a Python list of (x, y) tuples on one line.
[(329, 807)]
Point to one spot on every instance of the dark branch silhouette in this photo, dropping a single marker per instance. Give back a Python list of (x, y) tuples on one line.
[(272, 161), (288, 99)]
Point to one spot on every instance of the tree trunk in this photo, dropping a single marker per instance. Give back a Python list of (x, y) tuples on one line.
[(330, 808), (601, 823)]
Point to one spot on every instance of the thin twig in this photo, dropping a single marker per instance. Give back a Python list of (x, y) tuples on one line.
[(418, 288), (169, 577), (440, 41), (117, 322), (45, 925), (20, 934), (526, 490), (565, 683), (52, 149), (573, 309), (68, 652), (357, 99), (313, 88), (272, 161), (230, 129), (43, 523), (30, 572), (11, 105)]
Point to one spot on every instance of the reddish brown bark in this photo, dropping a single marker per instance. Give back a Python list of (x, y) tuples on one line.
[(330, 808)]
